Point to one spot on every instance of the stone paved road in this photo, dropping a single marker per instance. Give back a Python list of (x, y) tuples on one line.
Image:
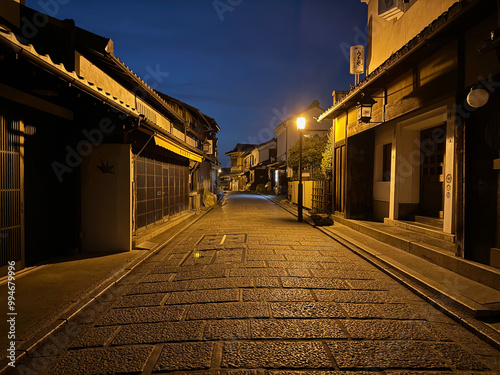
[(249, 290)]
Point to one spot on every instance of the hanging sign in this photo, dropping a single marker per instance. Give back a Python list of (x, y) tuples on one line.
[(357, 59)]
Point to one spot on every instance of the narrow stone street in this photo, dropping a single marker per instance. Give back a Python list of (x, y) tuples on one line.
[(249, 290)]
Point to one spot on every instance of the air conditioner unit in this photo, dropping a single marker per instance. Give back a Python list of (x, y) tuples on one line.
[(390, 9)]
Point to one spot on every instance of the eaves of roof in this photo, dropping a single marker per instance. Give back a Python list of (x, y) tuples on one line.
[(127, 72), (278, 164), (195, 112), (240, 148), (28, 51), (272, 140), (45, 62), (413, 46), (212, 121)]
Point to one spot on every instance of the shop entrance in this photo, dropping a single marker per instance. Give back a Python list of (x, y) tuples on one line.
[(433, 148), (339, 174)]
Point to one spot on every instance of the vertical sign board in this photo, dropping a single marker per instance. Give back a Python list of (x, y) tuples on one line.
[(357, 60)]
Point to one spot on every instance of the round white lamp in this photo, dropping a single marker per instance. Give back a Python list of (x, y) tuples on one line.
[(477, 97)]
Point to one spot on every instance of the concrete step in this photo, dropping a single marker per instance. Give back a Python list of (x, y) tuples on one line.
[(432, 221), (428, 230)]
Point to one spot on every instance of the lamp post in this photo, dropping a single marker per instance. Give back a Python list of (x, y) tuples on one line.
[(301, 125)]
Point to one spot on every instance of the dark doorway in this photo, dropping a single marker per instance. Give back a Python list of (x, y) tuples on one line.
[(433, 148), (339, 174)]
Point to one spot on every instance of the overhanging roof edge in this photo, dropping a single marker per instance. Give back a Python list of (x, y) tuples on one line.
[(402, 54)]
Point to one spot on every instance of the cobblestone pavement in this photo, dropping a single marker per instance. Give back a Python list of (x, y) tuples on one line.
[(249, 290)]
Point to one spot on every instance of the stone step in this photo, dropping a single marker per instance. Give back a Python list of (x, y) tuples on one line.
[(425, 229), (432, 221)]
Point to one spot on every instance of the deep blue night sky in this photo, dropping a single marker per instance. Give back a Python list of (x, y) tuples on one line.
[(249, 65)]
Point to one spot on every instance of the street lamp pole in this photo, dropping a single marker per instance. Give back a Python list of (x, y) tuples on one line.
[(301, 124)]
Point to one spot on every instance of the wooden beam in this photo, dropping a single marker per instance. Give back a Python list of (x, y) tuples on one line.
[(29, 100)]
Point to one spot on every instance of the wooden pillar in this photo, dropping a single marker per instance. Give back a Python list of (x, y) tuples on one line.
[(460, 166)]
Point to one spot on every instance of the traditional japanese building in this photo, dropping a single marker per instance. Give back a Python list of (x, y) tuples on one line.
[(240, 166), (90, 154), (261, 156), (419, 138)]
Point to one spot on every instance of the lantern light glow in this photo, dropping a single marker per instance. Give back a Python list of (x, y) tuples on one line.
[(301, 123)]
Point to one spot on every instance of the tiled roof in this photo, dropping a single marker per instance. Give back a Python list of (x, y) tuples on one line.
[(241, 147)]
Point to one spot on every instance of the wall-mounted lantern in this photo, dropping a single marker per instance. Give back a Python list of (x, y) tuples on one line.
[(364, 108), (208, 146)]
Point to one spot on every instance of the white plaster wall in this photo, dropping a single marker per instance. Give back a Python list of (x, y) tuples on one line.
[(281, 145), (408, 171), (264, 151), (381, 189), (107, 199), (95, 75), (389, 36), (263, 154), (257, 156)]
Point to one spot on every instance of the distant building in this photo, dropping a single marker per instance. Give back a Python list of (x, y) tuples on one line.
[(249, 164), (261, 157), (240, 164), (225, 179), (287, 136), (90, 154)]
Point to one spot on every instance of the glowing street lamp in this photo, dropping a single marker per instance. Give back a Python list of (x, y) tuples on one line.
[(301, 125)]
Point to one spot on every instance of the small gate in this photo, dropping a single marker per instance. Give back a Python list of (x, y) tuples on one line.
[(320, 196)]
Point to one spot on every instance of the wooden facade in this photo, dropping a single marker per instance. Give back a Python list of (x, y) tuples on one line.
[(65, 98), (425, 151)]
